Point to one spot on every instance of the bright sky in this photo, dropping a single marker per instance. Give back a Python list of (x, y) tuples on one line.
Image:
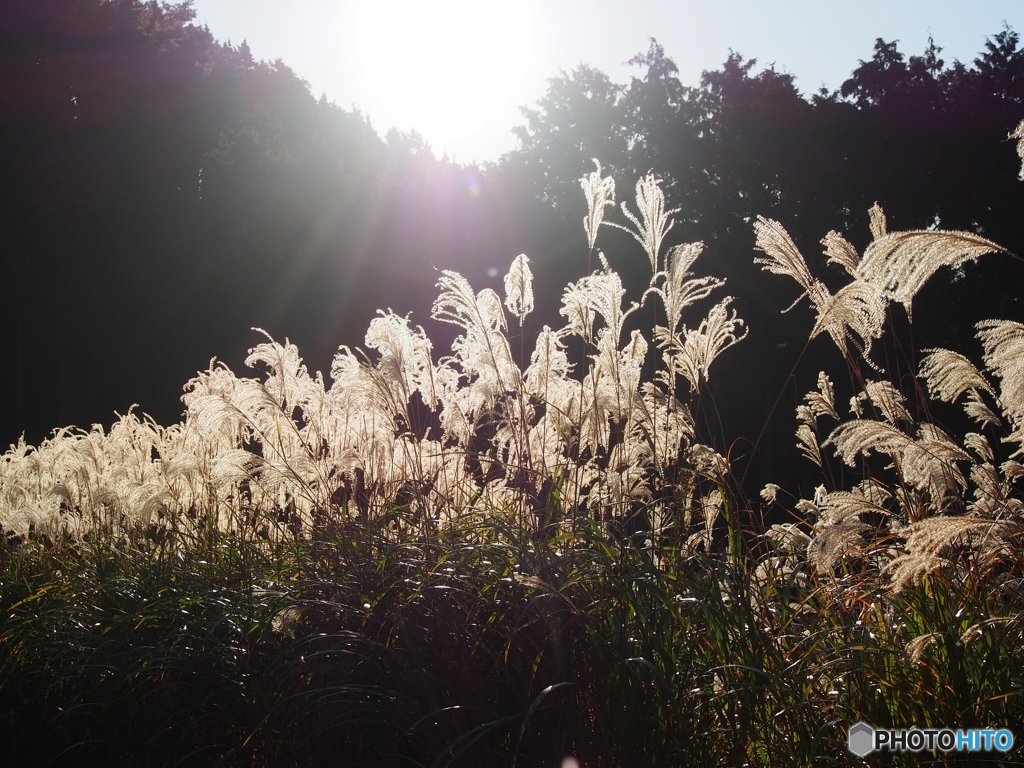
[(457, 70)]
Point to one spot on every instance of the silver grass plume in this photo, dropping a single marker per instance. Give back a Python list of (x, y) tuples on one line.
[(548, 380), (861, 436), (894, 268), (364, 395), (1003, 343), (679, 288), (908, 569), (287, 382), (209, 410), (975, 631), (888, 401), (878, 224), (593, 296), (600, 192), (710, 508), (986, 480), (992, 494), (483, 350), (833, 542), (948, 375), (914, 650), (1018, 134), (836, 506), (708, 462), (519, 288), (841, 251), (788, 538), (816, 404), (692, 355), (823, 401), (978, 410), (784, 258), (979, 445), (857, 307), (807, 443), (665, 425), (689, 353), (271, 407), (406, 362), (929, 464), (548, 375), (1012, 470), (899, 263), (654, 222), (934, 542), (611, 387), (939, 534)]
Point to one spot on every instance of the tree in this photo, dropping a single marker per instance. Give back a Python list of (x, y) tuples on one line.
[(881, 78), (651, 109), (579, 118), (1000, 69)]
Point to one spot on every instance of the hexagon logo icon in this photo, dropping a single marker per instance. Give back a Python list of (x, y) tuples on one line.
[(860, 739)]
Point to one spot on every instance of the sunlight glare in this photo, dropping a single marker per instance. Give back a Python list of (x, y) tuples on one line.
[(446, 67)]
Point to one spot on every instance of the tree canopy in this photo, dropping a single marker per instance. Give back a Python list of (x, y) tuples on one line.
[(165, 192)]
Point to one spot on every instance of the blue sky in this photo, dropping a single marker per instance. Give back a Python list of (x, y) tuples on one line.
[(421, 63)]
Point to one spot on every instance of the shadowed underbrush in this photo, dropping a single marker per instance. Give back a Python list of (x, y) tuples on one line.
[(485, 647)]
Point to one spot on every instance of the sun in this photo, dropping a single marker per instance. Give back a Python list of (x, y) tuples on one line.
[(444, 67)]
